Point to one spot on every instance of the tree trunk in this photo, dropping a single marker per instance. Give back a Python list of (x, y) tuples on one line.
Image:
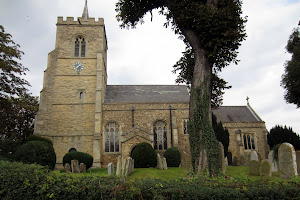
[(201, 79)]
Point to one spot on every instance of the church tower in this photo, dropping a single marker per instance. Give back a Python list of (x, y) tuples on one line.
[(74, 85)]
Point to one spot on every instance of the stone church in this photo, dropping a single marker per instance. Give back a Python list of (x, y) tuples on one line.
[(79, 111)]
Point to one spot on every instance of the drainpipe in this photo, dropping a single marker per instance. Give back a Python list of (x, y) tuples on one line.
[(170, 108), (132, 117)]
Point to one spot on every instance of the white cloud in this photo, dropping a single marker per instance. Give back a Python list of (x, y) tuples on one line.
[(145, 55)]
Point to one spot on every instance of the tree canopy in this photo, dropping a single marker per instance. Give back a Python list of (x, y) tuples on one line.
[(214, 29), (280, 134), (290, 79), (17, 106)]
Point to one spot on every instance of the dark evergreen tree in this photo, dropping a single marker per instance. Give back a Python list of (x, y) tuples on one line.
[(222, 134), (291, 77), (280, 134)]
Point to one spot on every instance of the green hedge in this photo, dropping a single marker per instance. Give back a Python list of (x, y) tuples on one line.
[(144, 156), (38, 138), (82, 157), (22, 181), (38, 152), (173, 157)]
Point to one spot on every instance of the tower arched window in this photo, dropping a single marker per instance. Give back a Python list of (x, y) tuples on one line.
[(112, 137), (160, 135), (80, 47)]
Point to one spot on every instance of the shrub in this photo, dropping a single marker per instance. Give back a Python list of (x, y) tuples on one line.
[(38, 138), (173, 157), (36, 152), (144, 156), (85, 158)]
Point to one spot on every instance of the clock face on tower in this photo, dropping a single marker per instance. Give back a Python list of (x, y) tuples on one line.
[(78, 66)]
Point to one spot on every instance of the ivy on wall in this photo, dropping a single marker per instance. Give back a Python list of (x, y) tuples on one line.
[(201, 133)]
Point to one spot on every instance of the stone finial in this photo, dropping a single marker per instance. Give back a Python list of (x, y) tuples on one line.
[(85, 13)]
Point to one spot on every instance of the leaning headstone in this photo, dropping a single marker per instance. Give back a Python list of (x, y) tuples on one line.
[(164, 161), (254, 168), (221, 158), (82, 168), (287, 161), (75, 166), (129, 165), (159, 162), (265, 168), (119, 166), (67, 167), (273, 162), (124, 166), (253, 156), (298, 160), (110, 169)]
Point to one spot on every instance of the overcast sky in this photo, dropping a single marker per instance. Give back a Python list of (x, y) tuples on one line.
[(145, 55)]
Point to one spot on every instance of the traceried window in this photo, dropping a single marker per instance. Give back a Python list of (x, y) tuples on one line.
[(185, 126), (112, 137), (249, 141), (160, 135), (80, 46)]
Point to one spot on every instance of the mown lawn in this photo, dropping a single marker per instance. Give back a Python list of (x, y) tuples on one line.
[(178, 172)]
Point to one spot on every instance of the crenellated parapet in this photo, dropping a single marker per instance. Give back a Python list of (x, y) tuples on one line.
[(80, 21)]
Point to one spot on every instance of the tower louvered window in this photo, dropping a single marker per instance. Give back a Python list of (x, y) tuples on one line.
[(160, 135), (80, 47)]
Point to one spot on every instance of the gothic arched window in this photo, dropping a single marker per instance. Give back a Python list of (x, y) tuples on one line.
[(80, 46), (249, 141), (112, 137), (160, 135)]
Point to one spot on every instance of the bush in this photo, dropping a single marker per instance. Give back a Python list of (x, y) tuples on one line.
[(144, 156), (36, 152), (38, 138), (85, 158), (173, 157)]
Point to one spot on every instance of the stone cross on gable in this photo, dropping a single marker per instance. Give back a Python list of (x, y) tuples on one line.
[(247, 100)]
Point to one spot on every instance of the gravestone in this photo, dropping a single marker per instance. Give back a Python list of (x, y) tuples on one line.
[(253, 156), (221, 158), (242, 161), (273, 162), (254, 168), (298, 160), (185, 162), (235, 161), (119, 166), (75, 166), (67, 167), (164, 161), (287, 161), (265, 168), (110, 169), (82, 168), (159, 162), (124, 166)]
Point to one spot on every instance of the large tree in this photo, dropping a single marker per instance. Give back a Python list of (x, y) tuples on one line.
[(280, 134), (17, 106), (214, 29), (290, 79)]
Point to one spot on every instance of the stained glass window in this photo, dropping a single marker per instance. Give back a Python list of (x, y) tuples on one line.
[(160, 136), (112, 137)]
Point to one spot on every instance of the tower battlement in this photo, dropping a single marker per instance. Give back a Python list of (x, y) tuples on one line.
[(71, 21)]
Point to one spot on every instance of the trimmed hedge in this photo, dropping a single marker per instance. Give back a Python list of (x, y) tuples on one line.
[(38, 152), (82, 157), (20, 181), (38, 138), (173, 157), (144, 156)]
